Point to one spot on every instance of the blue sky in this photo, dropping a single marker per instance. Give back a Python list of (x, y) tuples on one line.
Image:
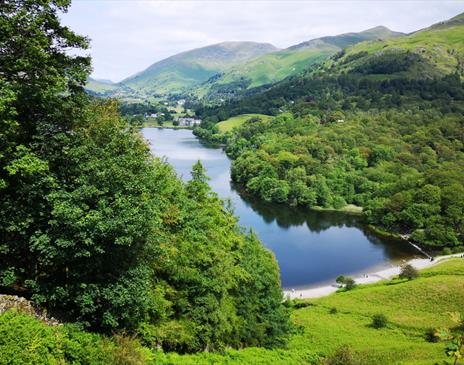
[(129, 35)]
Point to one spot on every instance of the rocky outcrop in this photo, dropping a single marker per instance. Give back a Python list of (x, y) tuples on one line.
[(24, 306)]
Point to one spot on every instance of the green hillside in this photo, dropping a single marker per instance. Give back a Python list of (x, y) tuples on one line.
[(322, 327), (347, 39), (99, 86), (276, 66), (229, 124), (429, 53), (190, 68)]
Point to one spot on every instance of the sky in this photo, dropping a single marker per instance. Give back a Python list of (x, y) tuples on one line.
[(127, 36)]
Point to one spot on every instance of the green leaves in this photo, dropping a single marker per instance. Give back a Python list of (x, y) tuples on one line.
[(96, 229)]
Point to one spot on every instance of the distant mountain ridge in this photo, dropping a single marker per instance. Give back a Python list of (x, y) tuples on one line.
[(189, 68), (347, 39), (276, 66), (226, 69), (422, 57)]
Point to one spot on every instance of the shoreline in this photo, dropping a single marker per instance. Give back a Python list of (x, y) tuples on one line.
[(385, 274)]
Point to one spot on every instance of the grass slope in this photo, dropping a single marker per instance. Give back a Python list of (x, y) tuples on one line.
[(229, 124), (433, 52), (99, 86), (411, 307)]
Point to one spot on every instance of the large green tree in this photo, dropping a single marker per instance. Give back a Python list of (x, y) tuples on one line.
[(99, 231)]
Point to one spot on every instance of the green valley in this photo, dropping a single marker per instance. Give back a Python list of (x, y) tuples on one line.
[(235, 203)]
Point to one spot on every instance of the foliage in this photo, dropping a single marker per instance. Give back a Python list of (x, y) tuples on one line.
[(101, 233), (343, 356), (408, 272), (317, 158), (411, 306), (349, 283), (379, 321), (25, 340), (432, 335)]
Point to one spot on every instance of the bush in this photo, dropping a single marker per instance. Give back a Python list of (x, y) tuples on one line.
[(333, 310), (432, 335), (408, 272), (26, 340), (379, 321), (343, 356), (446, 251), (350, 283)]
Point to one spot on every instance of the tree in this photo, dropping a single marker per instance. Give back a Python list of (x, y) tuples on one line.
[(198, 186), (349, 283), (100, 232), (379, 321), (408, 272)]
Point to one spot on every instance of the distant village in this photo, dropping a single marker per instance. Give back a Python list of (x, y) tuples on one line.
[(187, 121), (184, 121)]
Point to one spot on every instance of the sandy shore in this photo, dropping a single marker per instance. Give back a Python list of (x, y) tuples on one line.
[(385, 274)]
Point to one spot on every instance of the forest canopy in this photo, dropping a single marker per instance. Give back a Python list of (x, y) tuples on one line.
[(393, 146), (100, 232)]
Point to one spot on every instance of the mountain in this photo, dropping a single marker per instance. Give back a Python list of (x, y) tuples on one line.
[(347, 39), (276, 66), (104, 81), (187, 69), (428, 53), (100, 86)]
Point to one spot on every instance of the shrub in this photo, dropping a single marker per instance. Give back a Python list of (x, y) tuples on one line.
[(340, 279), (333, 310), (379, 321), (342, 356), (446, 251), (350, 283), (432, 335), (408, 272)]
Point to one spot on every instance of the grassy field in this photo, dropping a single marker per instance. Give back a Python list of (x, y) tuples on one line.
[(410, 306), (229, 124)]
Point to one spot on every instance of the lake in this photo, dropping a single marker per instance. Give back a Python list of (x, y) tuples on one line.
[(311, 247)]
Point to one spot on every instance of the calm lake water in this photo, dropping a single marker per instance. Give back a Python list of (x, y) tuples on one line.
[(312, 247)]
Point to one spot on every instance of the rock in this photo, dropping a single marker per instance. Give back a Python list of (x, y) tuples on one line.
[(24, 306)]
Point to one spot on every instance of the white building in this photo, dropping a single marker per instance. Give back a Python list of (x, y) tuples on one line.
[(188, 122)]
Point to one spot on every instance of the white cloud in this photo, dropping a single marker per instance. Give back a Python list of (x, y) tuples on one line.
[(129, 35)]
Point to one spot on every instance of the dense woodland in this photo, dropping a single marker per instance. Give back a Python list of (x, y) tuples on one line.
[(392, 145), (99, 232)]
